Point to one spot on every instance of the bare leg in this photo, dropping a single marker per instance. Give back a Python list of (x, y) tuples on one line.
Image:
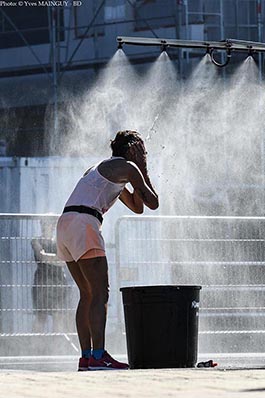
[(93, 283), (82, 313), (95, 271)]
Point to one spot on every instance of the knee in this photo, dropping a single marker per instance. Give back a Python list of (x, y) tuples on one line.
[(106, 295), (85, 296), (100, 296)]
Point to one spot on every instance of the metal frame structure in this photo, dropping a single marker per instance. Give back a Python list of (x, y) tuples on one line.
[(183, 14), (59, 65), (228, 45)]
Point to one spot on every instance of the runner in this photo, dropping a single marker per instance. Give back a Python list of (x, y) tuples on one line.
[(81, 245)]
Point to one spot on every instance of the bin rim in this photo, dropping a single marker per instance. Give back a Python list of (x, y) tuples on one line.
[(172, 287)]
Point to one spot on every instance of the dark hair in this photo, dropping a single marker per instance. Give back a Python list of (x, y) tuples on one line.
[(123, 141)]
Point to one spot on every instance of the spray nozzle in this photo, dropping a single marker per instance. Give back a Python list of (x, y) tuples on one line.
[(250, 51), (120, 43), (164, 45)]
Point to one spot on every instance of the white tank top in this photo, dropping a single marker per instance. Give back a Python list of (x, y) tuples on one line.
[(95, 191)]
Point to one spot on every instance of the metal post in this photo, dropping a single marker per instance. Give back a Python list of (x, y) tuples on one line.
[(54, 71), (58, 38), (259, 20), (178, 33), (222, 28), (187, 28), (236, 18), (259, 17), (118, 273), (95, 35)]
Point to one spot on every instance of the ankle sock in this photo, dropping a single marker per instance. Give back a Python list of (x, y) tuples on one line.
[(86, 353), (97, 354)]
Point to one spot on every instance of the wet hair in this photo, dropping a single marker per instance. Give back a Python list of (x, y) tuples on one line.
[(123, 141)]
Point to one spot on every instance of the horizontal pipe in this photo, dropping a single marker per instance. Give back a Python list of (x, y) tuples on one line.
[(232, 44)]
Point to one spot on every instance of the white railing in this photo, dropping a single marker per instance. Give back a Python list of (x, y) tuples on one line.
[(38, 297), (225, 255)]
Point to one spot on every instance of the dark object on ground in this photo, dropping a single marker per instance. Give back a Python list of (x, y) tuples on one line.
[(207, 364), (161, 325)]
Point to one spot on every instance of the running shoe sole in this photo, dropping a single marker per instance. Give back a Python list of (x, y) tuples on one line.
[(105, 368)]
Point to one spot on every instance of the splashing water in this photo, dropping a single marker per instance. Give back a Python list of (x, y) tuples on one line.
[(204, 136)]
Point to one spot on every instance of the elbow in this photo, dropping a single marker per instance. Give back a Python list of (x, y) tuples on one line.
[(139, 210), (154, 205)]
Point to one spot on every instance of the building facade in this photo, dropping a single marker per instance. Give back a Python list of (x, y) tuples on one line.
[(50, 48)]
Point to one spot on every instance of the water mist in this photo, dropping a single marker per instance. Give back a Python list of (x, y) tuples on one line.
[(204, 139)]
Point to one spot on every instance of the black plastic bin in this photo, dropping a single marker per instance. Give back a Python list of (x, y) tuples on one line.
[(161, 325)]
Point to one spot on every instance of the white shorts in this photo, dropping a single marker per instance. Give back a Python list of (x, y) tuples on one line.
[(79, 236)]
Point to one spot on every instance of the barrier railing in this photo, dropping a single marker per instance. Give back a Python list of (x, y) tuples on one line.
[(223, 254), (38, 297), (226, 255)]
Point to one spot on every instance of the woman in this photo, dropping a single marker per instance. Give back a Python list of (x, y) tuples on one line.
[(81, 245), (49, 290)]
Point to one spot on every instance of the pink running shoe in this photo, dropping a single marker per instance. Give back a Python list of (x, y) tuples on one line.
[(83, 364), (106, 363)]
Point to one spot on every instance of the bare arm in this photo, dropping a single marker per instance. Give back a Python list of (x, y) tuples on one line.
[(40, 253), (37, 247), (137, 154), (129, 171), (132, 200), (142, 192)]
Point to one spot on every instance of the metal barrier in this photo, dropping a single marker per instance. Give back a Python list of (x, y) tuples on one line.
[(226, 255), (38, 297)]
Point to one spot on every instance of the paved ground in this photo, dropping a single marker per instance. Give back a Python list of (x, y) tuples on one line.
[(197, 383), (39, 377)]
